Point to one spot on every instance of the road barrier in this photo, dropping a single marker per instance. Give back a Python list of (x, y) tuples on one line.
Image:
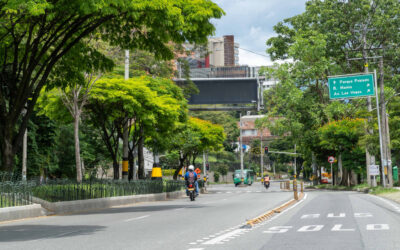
[(269, 214), (285, 185), (69, 191)]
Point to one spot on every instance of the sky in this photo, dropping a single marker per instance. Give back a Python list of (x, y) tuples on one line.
[(252, 22)]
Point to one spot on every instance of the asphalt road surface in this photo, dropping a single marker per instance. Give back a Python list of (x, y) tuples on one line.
[(322, 220), (175, 224)]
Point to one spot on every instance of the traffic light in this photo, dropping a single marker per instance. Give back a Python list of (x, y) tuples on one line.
[(266, 149)]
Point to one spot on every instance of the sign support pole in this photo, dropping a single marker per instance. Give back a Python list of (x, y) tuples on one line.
[(380, 130), (241, 149)]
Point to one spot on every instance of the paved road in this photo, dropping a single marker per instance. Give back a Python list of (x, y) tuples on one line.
[(323, 220), (175, 224)]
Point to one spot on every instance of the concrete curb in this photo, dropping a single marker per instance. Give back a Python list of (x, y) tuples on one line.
[(21, 212), (65, 207), (270, 213)]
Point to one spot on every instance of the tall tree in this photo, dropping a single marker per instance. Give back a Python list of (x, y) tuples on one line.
[(150, 112), (194, 138), (35, 36)]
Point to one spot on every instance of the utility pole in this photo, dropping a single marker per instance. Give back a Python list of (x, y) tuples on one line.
[(125, 139), (261, 154), (24, 154), (380, 130), (387, 163), (241, 148), (370, 159), (24, 151), (295, 156), (204, 163)]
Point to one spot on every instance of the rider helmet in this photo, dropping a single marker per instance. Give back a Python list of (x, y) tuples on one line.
[(191, 168)]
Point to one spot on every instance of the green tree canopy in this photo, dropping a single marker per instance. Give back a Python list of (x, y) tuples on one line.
[(36, 36)]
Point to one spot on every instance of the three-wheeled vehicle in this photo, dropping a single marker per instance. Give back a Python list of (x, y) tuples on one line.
[(248, 177)]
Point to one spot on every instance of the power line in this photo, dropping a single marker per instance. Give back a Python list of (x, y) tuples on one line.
[(254, 52)]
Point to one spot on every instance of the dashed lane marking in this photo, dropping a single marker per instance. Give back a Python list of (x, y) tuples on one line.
[(137, 218), (223, 237)]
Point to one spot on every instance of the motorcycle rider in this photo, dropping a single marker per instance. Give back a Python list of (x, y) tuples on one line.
[(191, 177), (266, 180)]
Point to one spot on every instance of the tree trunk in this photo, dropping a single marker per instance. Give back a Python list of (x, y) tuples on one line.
[(77, 150), (125, 149), (116, 169), (131, 161), (314, 168), (141, 156), (7, 154), (340, 169), (181, 164)]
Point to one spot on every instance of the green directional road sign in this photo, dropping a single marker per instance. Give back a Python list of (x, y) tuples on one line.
[(351, 86)]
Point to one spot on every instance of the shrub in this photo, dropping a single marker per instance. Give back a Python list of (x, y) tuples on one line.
[(216, 176)]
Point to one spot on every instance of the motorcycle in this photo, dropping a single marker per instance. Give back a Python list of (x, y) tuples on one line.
[(266, 184), (191, 191)]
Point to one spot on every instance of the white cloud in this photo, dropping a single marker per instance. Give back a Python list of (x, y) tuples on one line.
[(252, 21), (250, 59)]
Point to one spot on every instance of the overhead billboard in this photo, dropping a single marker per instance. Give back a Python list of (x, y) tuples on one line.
[(225, 91)]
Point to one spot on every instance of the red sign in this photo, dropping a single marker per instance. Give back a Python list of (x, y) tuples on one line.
[(331, 159), (197, 170)]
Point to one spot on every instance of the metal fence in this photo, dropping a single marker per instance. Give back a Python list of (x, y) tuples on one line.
[(15, 194), (68, 191)]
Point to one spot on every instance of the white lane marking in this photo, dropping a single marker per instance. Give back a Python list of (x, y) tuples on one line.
[(332, 215), (224, 199), (388, 202), (200, 240), (219, 192), (177, 209), (371, 227), (338, 228), (228, 192), (258, 191), (222, 237), (193, 243), (362, 215), (310, 228), (137, 218), (248, 191), (195, 248), (310, 216), (278, 229), (206, 238)]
